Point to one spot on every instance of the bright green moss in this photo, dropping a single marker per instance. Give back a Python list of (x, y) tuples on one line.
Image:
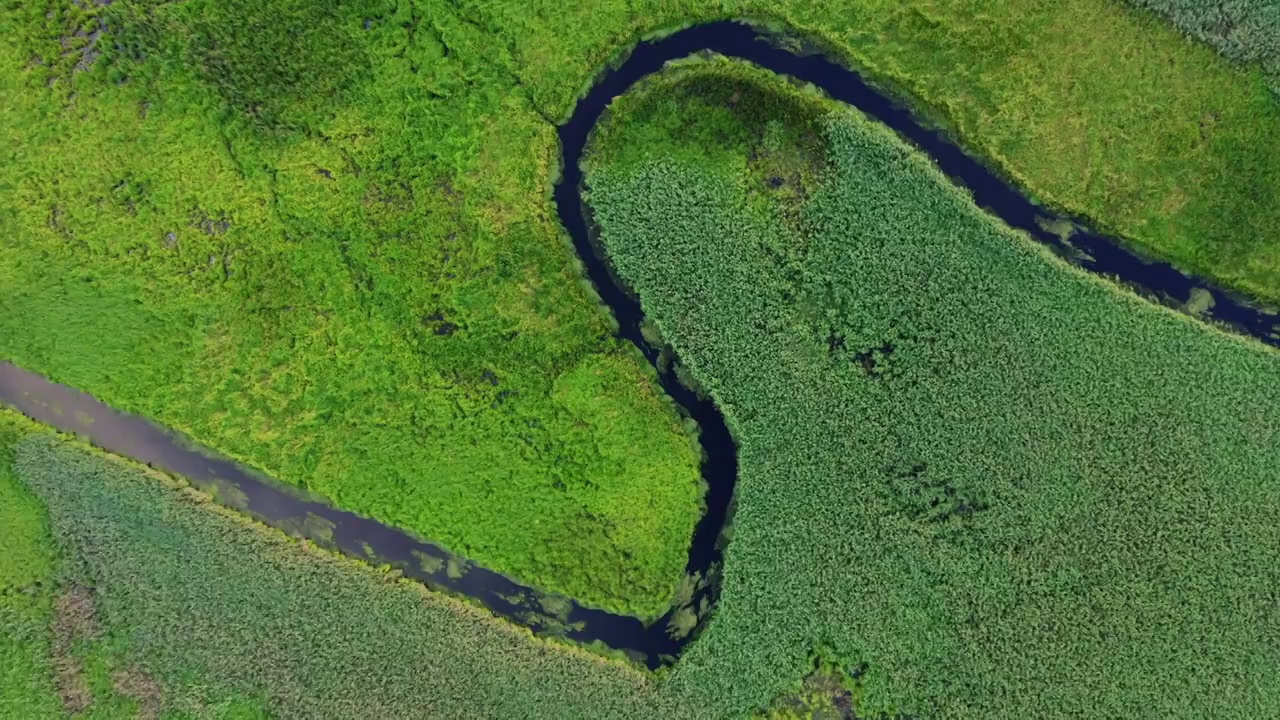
[(339, 270)]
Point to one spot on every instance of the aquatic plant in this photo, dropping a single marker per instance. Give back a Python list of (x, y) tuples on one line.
[(1010, 488), (227, 616)]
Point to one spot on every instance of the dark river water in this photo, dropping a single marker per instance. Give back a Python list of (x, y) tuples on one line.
[(652, 643)]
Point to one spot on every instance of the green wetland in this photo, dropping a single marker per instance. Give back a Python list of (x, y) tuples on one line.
[(318, 239), (974, 481)]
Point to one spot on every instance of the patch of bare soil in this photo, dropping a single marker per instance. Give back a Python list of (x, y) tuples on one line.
[(74, 619), (133, 682)]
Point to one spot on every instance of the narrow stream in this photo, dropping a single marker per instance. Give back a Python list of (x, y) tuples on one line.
[(293, 510)]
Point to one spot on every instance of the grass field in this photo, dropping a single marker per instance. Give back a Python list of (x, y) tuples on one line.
[(353, 285), (976, 483), (26, 589), (318, 238)]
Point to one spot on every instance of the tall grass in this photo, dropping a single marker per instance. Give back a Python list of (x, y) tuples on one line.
[(300, 234)]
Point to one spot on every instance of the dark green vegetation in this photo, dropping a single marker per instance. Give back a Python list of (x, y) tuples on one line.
[(54, 658), (1008, 488), (209, 606), (317, 237), (829, 692), (160, 589), (1247, 31)]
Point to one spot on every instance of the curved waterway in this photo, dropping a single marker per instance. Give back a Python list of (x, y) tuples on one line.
[(653, 643)]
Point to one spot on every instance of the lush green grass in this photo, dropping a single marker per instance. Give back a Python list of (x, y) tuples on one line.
[(26, 590), (1092, 105), (1007, 487), (341, 271), (318, 239), (1247, 31)]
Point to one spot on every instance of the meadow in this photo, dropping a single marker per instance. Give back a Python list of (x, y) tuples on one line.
[(366, 301), (318, 238), (975, 482)]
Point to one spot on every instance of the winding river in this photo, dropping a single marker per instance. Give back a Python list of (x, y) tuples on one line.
[(288, 508)]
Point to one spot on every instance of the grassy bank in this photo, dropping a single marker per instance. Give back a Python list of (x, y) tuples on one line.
[(1246, 31), (26, 589), (975, 482), (1094, 106), (318, 239)]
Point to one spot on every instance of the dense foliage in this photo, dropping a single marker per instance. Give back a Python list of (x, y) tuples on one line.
[(316, 237), (1008, 488), (1247, 31)]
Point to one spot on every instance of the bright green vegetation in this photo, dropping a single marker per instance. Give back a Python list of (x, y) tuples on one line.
[(26, 590), (1009, 488), (1091, 105), (1247, 31), (325, 250), (1101, 109), (317, 238)]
